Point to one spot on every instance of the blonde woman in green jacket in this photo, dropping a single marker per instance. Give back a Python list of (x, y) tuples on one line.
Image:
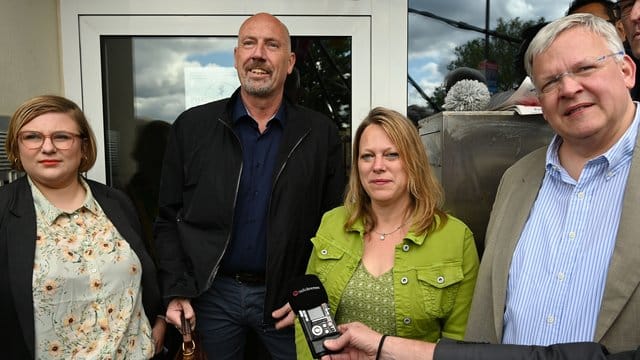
[(390, 257)]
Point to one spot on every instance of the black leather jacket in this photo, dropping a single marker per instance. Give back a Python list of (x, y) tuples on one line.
[(199, 184)]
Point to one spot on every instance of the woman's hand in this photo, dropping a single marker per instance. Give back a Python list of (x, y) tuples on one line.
[(285, 315), (157, 334), (177, 306)]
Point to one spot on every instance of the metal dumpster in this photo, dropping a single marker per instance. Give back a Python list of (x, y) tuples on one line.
[(469, 152)]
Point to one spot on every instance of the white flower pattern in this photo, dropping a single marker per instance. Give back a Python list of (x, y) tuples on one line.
[(86, 280), (369, 300)]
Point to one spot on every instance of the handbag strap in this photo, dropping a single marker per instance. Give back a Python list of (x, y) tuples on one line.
[(188, 345)]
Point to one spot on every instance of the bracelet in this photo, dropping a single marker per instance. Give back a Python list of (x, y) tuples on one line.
[(380, 346)]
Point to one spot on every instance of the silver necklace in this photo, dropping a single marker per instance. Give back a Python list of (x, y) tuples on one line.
[(383, 235)]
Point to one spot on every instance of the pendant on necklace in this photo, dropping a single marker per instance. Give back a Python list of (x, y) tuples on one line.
[(384, 235)]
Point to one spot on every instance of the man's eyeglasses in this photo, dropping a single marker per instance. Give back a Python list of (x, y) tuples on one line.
[(624, 7), (62, 140), (583, 69)]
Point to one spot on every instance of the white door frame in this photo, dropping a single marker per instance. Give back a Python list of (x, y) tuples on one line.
[(378, 29)]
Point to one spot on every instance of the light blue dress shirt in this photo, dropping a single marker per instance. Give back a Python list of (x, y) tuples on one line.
[(559, 267)]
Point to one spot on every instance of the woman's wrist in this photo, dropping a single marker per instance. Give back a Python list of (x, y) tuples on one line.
[(380, 345)]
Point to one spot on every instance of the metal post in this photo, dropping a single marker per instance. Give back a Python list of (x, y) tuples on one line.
[(486, 34)]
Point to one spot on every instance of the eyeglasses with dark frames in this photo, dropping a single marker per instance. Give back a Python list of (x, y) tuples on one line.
[(62, 140)]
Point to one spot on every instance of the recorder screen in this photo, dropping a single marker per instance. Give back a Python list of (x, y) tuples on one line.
[(315, 313)]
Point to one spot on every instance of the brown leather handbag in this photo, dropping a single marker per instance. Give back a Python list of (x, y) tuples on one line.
[(191, 345)]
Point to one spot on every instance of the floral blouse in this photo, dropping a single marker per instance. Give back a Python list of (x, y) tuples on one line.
[(86, 286)]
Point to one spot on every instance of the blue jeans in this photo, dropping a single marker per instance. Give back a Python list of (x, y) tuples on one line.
[(229, 309)]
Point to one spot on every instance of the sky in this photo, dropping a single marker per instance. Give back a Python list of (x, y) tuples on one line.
[(431, 42), (161, 64)]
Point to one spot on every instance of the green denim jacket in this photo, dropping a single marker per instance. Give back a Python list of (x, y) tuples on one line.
[(433, 276)]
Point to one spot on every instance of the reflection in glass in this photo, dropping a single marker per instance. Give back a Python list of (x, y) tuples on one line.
[(172, 74), (151, 80)]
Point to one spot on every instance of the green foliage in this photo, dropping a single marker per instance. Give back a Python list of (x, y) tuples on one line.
[(438, 95), (501, 51), (324, 66)]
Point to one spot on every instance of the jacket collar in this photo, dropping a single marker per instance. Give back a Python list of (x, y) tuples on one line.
[(239, 110)]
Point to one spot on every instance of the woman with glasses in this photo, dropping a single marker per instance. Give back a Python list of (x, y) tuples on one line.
[(76, 279)]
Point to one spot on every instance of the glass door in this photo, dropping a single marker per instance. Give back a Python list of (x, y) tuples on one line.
[(149, 80), (135, 71)]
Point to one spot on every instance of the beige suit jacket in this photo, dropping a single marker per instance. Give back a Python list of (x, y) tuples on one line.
[(618, 324)]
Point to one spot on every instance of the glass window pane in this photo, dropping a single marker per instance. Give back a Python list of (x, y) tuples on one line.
[(149, 81)]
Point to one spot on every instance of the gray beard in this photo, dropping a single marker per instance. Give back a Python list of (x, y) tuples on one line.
[(261, 90)]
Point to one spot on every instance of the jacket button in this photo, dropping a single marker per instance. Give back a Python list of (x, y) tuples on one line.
[(406, 321), (404, 280), (324, 251), (405, 247), (440, 279)]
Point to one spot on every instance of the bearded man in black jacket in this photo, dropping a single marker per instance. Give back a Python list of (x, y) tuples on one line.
[(244, 184)]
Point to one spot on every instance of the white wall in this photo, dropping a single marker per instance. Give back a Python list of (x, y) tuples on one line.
[(30, 62)]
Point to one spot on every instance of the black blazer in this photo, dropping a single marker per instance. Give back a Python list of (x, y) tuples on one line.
[(17, 248)]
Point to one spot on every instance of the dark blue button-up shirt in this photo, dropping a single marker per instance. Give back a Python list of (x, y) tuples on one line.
[(247, 251)]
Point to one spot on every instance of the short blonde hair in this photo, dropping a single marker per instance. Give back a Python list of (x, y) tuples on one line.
[(427, 196), (45, 104)]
